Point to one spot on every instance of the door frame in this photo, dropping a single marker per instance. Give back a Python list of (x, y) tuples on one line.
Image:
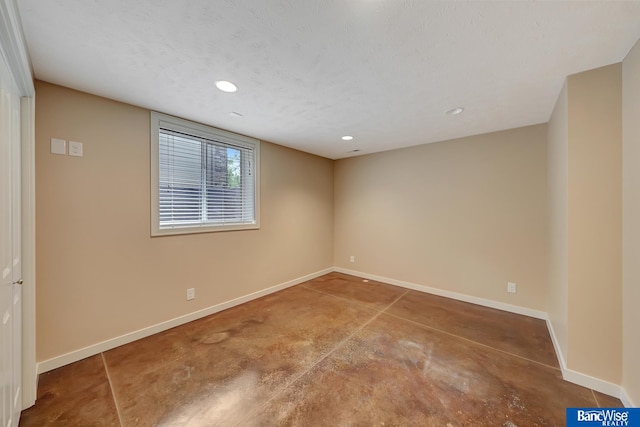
[(29, 366), (16, 55)]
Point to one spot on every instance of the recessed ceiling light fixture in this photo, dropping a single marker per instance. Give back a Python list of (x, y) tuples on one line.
[(347, 138), (235, 114), (226, 86), (454, 111)]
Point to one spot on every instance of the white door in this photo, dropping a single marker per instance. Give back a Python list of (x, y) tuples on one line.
[(10, 250)]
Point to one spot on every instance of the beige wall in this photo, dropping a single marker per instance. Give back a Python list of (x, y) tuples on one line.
[(101, 275), (595, 223), (558, 181), (631, 223), (466, 215), (585, 223)]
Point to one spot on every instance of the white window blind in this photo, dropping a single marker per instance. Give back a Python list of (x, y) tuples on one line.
[(205, 178)]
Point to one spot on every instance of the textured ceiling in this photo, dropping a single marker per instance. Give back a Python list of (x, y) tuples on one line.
[(310, 71)]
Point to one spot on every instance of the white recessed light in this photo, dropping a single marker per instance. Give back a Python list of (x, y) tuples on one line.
[(226, 86), (347, 138), (454, 111), (235, 114)]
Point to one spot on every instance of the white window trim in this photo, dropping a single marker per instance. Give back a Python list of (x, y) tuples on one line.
[(159, 120)]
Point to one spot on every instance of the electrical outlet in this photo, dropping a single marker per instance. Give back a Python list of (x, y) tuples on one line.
[(75, 148), (511, 287), (191, 294), (352, 258)]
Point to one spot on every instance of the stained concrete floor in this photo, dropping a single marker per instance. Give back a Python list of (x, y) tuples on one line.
[(334, 351)]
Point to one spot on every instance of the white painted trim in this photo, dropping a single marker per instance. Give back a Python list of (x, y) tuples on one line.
[(567, 374), (556, 345), (14, 47), (453, 295), (74, 356), (626, 400), (590, 382), (583, 379), (28, 164)]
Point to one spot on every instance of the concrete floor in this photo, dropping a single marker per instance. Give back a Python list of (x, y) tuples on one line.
[(334, 351)]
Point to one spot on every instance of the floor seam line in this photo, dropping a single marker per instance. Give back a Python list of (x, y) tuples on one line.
[(346, 299), (474, 342), (394, 301), (329, 353), (113, 392), (596, 399)]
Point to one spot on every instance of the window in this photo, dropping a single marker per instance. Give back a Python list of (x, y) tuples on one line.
[(203, 179)]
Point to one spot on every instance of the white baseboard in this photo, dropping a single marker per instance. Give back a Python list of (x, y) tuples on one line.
[(591, 382), (74, 356), (556, 345), (626, 400), (449, 294), (585, 380), (567, 374)]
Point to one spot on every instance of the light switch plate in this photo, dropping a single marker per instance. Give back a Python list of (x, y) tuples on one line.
[(75, 148), (58, 146)]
